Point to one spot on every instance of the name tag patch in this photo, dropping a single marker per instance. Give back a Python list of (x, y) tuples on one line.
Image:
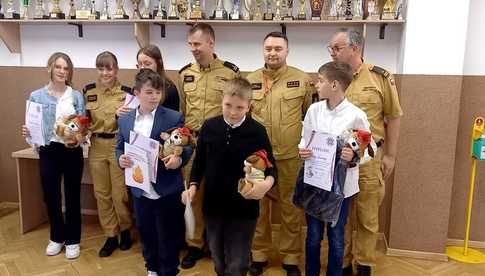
[(189, 78), (292, 84), (256, 86), (92, 98)]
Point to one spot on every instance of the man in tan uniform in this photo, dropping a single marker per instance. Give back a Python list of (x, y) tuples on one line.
[(200, 86), (281, 96), (373, 90), (103, 100)]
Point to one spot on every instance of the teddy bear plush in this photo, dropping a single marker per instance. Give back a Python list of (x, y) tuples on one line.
[(360, 140), (174, 141), (254, 167), (73, 130)]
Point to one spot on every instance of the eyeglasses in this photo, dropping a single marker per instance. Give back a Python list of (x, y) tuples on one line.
[(336, 49)]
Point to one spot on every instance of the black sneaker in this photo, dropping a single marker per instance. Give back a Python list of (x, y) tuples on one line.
[(256, 268), (125, 240), (291, 270), (109, 246), (347, 271), (193, 255), (363, 270)]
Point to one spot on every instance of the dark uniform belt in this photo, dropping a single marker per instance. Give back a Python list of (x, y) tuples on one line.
[(104, 135)]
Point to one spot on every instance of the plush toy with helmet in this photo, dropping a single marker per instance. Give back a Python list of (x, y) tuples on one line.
[(73, 130), (360, 140), (174, 141), (254, 167)]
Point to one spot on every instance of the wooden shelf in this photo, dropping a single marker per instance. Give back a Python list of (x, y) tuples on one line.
[(10, 29)]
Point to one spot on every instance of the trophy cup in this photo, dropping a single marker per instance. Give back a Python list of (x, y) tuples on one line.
[(173, 10), (83, 13), (235, 10), (289, 10), (341, 8), (348, 10), (332, 10), (316, 7), (219, 13), (1, 13), (373, 10), (146, 10), (268, 15), (25, 13), (161, 11), (398, 15), (93, 14), (302, 11), (72, 9), (120, 11), (258, 10), (389, 10), (39, 10), (136, 9), (56, 12), (246, 10), (277, 13), (11, 13), (358, 12), (196, 11), (104, 13), (183, 8)]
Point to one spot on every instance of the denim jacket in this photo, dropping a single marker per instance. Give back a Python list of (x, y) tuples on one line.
[(49, 104)]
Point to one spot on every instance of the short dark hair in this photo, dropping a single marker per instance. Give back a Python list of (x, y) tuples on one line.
[(106, 59), (277, 34), (204, 28), (147, 75), (339, 71)]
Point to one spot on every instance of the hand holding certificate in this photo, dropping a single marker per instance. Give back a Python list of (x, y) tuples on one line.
[(319, 168), (151, 147), (33, 122)]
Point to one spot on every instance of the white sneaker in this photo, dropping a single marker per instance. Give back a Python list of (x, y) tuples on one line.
[(152, 273), (53, 248), (73, 251)]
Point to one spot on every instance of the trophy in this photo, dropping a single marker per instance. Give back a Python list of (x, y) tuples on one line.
[(39, 10), (373, 10), (316, 7), (341, 8), (235, 10), (302, 11), (173, 10), (289, 9), (358, 12), (93, 14), (389, 10), (348, 10), (277, 13), (196, 11), (268, 15), (120, 11), (161, 11), (146, 10), (136, 9), (56, 12), (104, 13), (219, 13), (183, 8), (72, 10), (25, 13), (332, 10), (246, 10), (11, 13), (83, 13), (258, 10), (1, 13), (398, 15)]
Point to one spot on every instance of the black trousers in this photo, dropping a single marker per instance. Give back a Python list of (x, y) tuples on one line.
[(160, 223), (58, 162), (230, 242)]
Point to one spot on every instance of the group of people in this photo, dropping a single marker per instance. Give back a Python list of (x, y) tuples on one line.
[(230, 118)]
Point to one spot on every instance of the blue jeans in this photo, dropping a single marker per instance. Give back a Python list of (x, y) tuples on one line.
[(314, 237)]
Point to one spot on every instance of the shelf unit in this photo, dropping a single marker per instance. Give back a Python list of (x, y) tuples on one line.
[(10, 29)]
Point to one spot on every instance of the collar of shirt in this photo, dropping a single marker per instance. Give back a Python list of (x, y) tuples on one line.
[(342, 105), (361, 67), (273, 74), (139, 116), (238, 124), (107, 90), (144, 123), (214, 64)]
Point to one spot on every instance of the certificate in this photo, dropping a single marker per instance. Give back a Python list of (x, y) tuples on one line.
[(320, 168), (131, 101), (137, 176), (33, 121), (151, 147)]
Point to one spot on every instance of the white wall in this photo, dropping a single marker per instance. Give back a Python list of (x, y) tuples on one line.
[(475, 49)]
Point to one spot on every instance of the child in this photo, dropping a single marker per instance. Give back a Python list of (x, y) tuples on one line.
[(159, 213), (332, 115), (223, 144)]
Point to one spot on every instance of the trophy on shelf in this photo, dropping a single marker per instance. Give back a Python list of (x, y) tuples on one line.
[(235, 10), (11, 13), (332, 13), (39, 12), (83, 13), (316, 7), (302, 11), (219, 13), (348, 10), (287, 9), (258, 10), (25, 11), (146, 10), (183, 9), (105, 12), (72, 9), (373, 10), (277, 13), (173, 10), (93, 15), (246, 10), (56, 12), (389, 10), (120, 11), (341, 8), (399, 6), (268, 15), (136, 9), (1, 13), (196, 12), (358, 11), (161, 11)]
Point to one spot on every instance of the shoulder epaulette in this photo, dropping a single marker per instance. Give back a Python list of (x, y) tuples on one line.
[(381, 71), (126, 89), (231, 66), (89, 87), (185, 67)]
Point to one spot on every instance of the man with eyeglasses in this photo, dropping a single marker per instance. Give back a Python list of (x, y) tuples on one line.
[(373, 90)]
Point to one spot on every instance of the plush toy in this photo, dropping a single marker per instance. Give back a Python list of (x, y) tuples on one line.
[(254, 167), (73, 130), (175, 139), (359, 140)]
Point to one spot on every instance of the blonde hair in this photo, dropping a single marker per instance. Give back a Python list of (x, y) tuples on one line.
[(238, 87), (52, 60)]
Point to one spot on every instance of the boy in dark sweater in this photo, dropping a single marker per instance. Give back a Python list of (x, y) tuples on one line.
[(223, 144)]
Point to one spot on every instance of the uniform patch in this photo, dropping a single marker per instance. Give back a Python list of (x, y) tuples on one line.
[(92, 98), (292, 84), (256, 86), (231, 66), (189, 78), (89, 87)]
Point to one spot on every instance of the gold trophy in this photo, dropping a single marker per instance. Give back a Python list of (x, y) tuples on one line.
[(258, 10), (373, 10), (316, 7), (136, 9), (173, 10), (11, 13), (389, 10), (358, 11), (277, 13), (25, 13), (161, 12), (56, 12), (196, 11), (183, 9), (302, 11), (104, 13), (288, 10), (146, 10), (268, 15), (246, 10), (120, 10)]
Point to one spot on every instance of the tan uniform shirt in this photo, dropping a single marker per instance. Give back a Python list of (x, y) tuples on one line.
[(279, 101), (101, 106), (373, 90), (201, 90)]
